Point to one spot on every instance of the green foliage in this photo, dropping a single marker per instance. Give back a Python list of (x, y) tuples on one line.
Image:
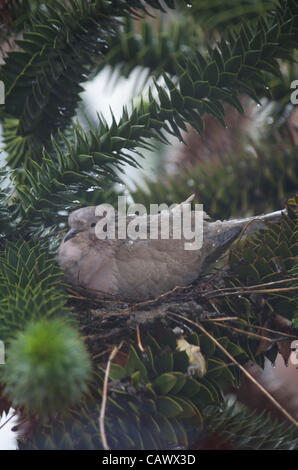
[(267, 257), (157, 401), (151, 43), (88, 159), (280, 88), (30, 288), (47, 367), (223, 15), (234, 65), (42, 79), (294, 273), (78, 175), (244, 429), (234, 186), (153, 401), (52, 62), (171, 409), (4, 213)]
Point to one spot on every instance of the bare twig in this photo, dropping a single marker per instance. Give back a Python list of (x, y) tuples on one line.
[(277, 332), (220, 319), (104, 397), (231, 289), (248, 333), (94, 295), (241, 320), (141, 347), (102, 353), (247, 291)]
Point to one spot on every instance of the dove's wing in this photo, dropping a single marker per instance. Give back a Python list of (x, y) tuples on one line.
[(151, 266), (146, 268), (98, 270)]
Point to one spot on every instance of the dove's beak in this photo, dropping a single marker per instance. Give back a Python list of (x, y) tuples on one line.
[(71, 234)]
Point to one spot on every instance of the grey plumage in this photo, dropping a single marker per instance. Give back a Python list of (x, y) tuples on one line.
[(141, 269)]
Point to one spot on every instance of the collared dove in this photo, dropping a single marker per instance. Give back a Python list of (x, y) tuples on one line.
[(144, 268)]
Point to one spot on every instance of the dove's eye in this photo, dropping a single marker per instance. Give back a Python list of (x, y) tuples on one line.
[(93, 224)]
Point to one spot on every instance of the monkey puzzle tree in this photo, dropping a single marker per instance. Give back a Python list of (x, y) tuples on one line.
[(58, 340)]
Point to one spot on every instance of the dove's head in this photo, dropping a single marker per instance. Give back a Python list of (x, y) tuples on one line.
[(81, 220)]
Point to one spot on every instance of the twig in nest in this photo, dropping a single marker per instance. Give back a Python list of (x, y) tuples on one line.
[(93, 296), (145, 302), (245, 372), (141, 347), (248, 333), (242, 291), (241, 320), (232, 289), (220, 319), (242, 233), (181, 324), (277, 332), (102, 353), (104, 398)]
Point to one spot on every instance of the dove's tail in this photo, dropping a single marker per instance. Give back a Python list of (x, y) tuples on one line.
[(223, 234), (253, 224)]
